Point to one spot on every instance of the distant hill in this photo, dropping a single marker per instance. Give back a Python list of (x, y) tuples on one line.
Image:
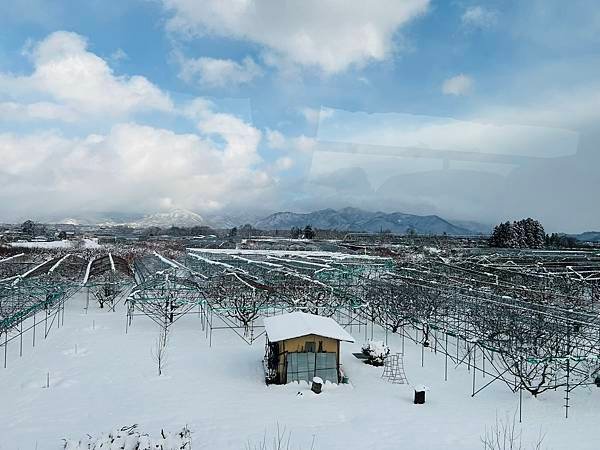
[(346, 219), (354, 219), (588, 236), (177, 218)]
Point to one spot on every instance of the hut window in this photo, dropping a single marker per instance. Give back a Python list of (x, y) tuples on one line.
[(309, 347), (320, 346)]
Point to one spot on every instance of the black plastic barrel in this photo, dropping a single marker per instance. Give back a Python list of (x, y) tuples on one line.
[(317, 384), (419, 396)]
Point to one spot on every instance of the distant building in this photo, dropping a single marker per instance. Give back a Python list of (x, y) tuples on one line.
[(301, 346)]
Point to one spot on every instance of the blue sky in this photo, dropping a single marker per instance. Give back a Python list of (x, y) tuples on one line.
[(467, 109)]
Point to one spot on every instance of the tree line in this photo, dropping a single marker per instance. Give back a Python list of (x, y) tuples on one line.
[(528, 233)]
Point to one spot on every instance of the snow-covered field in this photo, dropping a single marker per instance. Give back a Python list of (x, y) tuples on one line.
[(101, 378), (86, 243)]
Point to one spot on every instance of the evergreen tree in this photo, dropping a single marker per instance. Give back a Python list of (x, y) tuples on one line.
[(526, 233), (519, 239), (503, 236), (28, 227), (556, 240), (539, 235), (246, 231), (295, 233), (308, 232)]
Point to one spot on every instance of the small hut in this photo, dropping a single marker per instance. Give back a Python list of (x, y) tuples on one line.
[(301, 346)]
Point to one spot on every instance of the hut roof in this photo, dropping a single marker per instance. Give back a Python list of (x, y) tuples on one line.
[(296, 324)]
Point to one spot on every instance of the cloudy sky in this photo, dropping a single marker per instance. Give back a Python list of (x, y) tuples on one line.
[(474, 110)]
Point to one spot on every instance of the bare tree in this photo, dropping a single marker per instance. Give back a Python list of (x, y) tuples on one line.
[(507, 435), (281, 440), (243, 305), (159, 351)]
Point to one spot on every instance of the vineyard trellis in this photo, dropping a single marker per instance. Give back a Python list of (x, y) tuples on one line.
[(528, 319), (35, 286)]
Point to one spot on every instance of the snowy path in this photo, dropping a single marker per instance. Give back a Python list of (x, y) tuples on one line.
[(110, 380)]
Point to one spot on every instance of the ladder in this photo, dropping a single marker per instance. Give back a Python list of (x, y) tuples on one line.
[(393, 369)]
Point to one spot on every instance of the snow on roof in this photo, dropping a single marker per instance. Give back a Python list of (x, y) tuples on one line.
[(296, 324)]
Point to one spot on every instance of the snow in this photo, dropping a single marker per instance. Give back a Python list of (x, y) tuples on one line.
[(216, 263), (376, 350), (297, 253), (26, 274), (44, 245), (12, 257), (168, 261), (296, 324), (110, 382), (59, 262), (130, 438), (87, 271), (89, 243)]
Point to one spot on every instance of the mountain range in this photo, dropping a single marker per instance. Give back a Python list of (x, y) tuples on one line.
[(588, 236), (346, 219), (354, 219)]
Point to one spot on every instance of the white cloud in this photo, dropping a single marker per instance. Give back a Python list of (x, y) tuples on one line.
[(313, 115), (119, 55), (241, 139), (301, 143), (132, 167), (15, 112), (78, 80), (458, 85), (214, 72), (275, 139), (284, 163), (329, 34), (479, 17)]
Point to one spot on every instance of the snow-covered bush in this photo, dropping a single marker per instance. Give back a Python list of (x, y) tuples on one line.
[(376, 352), (130, 438)]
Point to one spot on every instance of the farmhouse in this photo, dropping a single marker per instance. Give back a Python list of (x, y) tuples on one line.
[(301, 346)]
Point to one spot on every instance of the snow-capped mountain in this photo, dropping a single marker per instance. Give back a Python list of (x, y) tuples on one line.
[(354, 219), (177, 218), (346, 219), (94, 218), (69, 221)]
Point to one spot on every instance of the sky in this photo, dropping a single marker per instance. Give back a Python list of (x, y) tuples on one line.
[(472, 110)]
